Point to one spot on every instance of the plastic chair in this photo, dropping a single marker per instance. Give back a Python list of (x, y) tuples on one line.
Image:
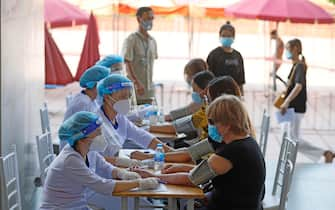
[(45, 153), (264, 133), (288, 151), (45, 123), (275, 203), (10, 184)]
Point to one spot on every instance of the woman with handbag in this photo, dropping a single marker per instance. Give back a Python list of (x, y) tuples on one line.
[(296, 98)]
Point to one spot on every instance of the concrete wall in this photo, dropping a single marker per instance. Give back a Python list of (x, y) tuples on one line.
[(22, 82)]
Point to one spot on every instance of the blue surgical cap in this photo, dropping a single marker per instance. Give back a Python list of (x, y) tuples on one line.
[(113, 83), (78, 126), (109, 60), (93, 75)]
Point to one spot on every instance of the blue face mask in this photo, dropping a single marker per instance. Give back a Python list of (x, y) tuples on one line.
[(196, 98), (147, 25), (214, 133), (226, 41), (288, 54)]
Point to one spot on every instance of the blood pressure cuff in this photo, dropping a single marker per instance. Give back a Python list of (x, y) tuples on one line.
[(184, 125), (200, 149), (201, 174)]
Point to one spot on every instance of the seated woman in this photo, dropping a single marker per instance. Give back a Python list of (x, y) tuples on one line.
[(236, 170), (193, 67), (216, 88), (196, 122), (84, 100), (69, 174)]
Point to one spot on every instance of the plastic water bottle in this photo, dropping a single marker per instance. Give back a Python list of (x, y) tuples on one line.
[(159, 157), (153, 116)]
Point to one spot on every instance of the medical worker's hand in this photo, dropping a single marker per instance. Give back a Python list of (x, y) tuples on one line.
[(148, 183), (126, 162), (127, 175)]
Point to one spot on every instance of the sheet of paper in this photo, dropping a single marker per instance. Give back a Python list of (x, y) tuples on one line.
[(161, 188), (287, 117)]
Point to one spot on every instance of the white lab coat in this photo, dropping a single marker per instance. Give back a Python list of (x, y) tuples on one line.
[(68, 178), (99, 200), (126, 130), (115, 139), (79, 102)]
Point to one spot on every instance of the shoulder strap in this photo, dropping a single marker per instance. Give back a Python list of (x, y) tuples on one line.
[(291, 76)]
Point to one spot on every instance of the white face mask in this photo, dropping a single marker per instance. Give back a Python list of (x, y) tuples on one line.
[(122, 106), (98, 144)]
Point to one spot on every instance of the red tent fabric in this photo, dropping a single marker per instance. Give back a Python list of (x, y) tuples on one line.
[(59, 13), (296, 11), (56, 70), (90, 53)]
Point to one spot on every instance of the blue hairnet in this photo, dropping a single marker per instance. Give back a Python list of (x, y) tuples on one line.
[(109, 60), (78, 126), (92, 75), (113, 83)]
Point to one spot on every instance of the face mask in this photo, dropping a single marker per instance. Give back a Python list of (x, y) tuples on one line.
[(196, 98), (147, 25), (214, 133), (226, 41), (122, 106), (98, 144), (288, 54)]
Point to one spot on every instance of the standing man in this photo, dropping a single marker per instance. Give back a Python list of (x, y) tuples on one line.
[(139, 51), (277, 56)]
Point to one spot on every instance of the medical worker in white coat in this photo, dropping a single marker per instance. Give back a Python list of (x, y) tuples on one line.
[(69, 175), (85, 99), (114, 94)]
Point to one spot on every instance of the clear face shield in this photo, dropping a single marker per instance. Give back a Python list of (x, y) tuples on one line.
[(118, 68)]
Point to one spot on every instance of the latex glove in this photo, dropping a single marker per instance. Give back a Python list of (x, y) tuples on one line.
[(149, 163), (148, 183), (127, 175), (126, 162)]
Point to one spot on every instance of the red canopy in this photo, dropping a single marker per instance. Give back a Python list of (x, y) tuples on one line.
[(90, 53), (296, 11), (59, 13), (56, 70)]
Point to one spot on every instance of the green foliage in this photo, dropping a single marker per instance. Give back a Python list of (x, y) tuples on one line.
[(332, 1)]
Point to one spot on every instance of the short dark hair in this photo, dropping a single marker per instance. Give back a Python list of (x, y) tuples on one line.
[(142, 10), (274, 32), (194, 66), (203, 78), (227, 26), (223, 85)]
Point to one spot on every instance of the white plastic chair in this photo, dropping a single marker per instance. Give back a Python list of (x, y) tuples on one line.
[(264, 133), (10, 185), (45, 153), (279, 203), (45, 123), (288, 151)]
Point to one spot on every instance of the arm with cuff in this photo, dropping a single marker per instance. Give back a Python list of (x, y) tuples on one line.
[(184, 125), (184, 111)]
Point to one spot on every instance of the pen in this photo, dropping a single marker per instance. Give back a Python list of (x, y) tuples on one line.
[(162, 181)]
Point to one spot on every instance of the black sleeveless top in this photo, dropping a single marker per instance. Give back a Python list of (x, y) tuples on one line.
[(243, 187)]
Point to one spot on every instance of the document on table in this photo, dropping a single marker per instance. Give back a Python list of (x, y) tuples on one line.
[(161, 188), (287, 117)]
